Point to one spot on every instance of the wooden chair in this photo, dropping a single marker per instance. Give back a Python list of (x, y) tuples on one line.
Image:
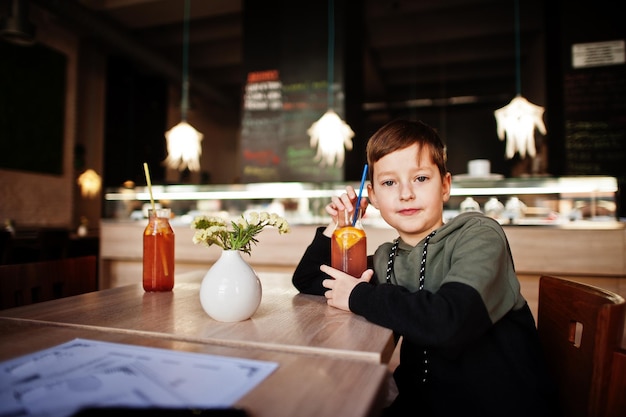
[(581, 327), (616, 406), (28, 283)]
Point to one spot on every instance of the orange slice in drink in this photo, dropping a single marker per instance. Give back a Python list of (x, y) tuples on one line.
[(348, 236)]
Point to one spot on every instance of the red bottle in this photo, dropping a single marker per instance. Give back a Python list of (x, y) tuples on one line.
[(158, 252)]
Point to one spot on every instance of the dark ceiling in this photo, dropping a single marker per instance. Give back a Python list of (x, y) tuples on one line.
[(424, 51)]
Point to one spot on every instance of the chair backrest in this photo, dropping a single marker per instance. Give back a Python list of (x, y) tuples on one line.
[(580, 327), (28, 283), (617, 400)]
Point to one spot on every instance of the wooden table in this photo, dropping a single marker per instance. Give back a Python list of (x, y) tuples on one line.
[(285, 320), (303, 385)]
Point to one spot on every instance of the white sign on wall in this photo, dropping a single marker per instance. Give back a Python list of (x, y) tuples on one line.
[(596, 54)]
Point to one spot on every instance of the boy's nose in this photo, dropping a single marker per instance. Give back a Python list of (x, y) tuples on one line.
[(406, 192)]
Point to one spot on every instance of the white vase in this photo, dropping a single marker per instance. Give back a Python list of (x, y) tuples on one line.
[(231, 290)]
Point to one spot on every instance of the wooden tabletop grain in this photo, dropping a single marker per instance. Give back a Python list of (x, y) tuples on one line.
[(285, 320), (303, 384)]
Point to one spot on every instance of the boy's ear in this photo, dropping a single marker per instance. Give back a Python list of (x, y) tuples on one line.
[(371, 196), (446, 188)]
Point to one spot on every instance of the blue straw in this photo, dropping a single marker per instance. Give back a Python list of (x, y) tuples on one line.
[(358, 200)]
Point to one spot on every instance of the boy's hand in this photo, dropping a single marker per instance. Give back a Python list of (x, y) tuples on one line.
[(341, 286), (345, 202)]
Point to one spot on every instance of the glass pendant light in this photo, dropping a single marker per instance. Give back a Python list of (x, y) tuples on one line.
[(330, 134), (184, 143), (517, 121)]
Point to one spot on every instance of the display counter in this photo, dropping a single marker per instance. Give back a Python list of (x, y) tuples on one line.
[(568, 226), (590, 249), (544, 200)]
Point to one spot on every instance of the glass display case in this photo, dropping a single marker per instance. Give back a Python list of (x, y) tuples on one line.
[(539, 200), (532, 200)]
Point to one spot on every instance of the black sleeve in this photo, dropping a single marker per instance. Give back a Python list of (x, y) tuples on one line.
[(453, 316), (307, 277)]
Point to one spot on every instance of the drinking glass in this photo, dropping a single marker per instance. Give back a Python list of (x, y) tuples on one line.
[(348, 248)]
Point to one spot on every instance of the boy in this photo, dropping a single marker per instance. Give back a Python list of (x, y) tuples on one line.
[(469, 342)]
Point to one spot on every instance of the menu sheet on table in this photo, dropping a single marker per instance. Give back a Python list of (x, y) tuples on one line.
[(61, 380)]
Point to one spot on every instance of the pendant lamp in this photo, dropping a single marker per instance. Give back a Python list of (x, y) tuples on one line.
[(16, 28), (90, 183), (184, 143), (517, 121), (330, 134)]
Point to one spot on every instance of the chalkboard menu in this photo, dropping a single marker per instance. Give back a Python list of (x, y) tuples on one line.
[(286, 91), (586, 68), (595, 121), (260, 126)]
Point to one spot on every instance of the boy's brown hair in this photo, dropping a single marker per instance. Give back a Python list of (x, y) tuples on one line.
[(400, 134)]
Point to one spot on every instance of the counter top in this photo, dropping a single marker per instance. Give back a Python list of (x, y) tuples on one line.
[(592, 248)]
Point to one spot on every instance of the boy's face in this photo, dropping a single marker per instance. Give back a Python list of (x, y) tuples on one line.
[(409, 192)]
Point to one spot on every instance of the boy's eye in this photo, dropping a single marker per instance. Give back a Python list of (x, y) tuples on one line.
[(387, 183), (421, 178)]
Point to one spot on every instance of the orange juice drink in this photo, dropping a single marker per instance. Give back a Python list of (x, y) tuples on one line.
[(158, 252), (348, 250)]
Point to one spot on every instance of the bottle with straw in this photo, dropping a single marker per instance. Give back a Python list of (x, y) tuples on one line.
[(158, 247)]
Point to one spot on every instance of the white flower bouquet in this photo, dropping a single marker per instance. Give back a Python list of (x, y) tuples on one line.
[(214, 230)]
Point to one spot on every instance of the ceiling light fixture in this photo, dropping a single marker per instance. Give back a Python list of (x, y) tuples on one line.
[(517, 120), (16, 28), (330, 133), (184, 143), (90, 183)]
